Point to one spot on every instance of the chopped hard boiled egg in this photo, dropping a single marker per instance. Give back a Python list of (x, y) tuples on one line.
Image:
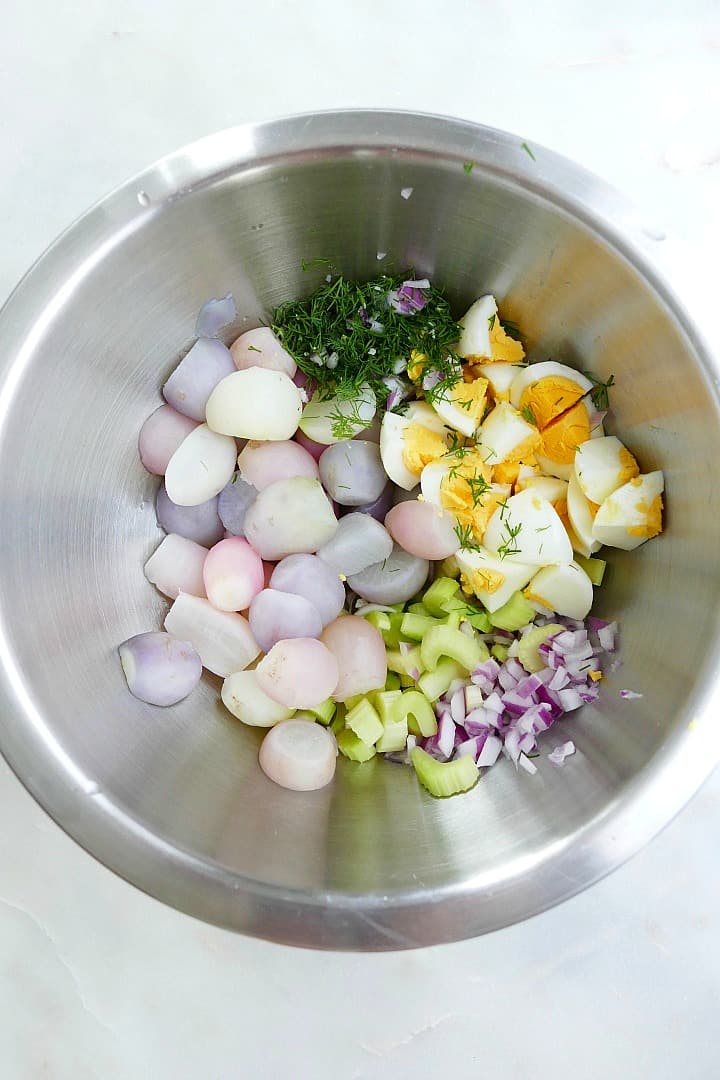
[(602, 466), (410, 441), (462, 486), (632, 514), (483, 336), (565, 590), (550, 487), (463, 407), (561, 439), (548, 390), (528, 529), (491, 579), (506, 436), (581, 515), (499, 375)]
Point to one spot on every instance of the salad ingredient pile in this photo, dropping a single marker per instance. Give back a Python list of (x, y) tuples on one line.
[(382, 533)]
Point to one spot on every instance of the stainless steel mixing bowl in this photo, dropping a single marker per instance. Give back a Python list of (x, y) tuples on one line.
[(173, 799)]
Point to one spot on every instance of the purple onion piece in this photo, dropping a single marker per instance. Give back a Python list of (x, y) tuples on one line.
[(214, 315), (159, 668)]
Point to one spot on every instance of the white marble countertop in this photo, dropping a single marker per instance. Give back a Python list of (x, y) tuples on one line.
[(99, 982)]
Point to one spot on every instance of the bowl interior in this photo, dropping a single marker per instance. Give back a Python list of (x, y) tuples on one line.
[(174, 798)]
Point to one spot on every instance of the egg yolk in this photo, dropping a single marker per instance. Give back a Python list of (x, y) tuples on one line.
[(536, 599), (420, 447), (417, 365), (482, 580), (561, 437), (465, 491), (525, 449), (470, 398), (629, 467), (502, 346), (548, 398), (653, 519)]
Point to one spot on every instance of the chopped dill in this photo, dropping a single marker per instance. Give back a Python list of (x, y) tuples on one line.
[(528, 415), (491, 322), (464, 534), (346, 320), (527, 150), (468, 167), (478, 487), (508, 546), (599, 392)]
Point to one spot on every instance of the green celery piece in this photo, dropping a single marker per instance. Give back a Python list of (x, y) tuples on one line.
[(414, 709), (418, 609), (406, 680), (441, 590), (396, 661), (453, 620), (594, 568), (363, 719), (379, 619), (517, 612), (416, 626), (444, 641), (481, 622), (383, 701), (500, 652), (324, 712), (445, 778), (392, 635), (351, 702), (354, 748), (434, 683), (527, 650), (393, 681), (393, 738), (338, 723)]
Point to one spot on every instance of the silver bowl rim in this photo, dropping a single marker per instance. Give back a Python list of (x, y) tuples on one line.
[(332, 919)]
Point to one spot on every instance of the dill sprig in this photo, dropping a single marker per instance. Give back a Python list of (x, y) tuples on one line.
[(508, 546), (478, 487), (599, 392), (464, 534), (354, 323), (528, 415)]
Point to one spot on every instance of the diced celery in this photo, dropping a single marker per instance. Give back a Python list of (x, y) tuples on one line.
[(393, 681), (444, 778), (445, 641), (391, 636), (393, 738), (396, 661), (353, 747), (481, 622), (449, 567), (416, 626), (383, 701), (324, 712), (594, 568), (363, 719), (453, 620), (441, 590), (417, 712), (351, 702), (434, 683), (379, 619), (527, 648), (418, 609), (406, 680), (515, 613), (338, 723), (500, 653)]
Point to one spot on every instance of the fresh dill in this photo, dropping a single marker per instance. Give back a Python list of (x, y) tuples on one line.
[(357, 324), (464, 534), (527, 150), (528, 415), (456, 448), (478, 487), (465, 403), (503, 507), (345, 423), (491, 322), (599, 392), (468, 167), (511, 328), (310, 264), (253, 348), (508, 546)]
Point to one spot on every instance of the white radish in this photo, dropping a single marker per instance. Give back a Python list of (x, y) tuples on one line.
[(423, 530), (233, 574), (277, 616), (200, 467), (260, 348), (160, 436), (177, 566), (360, 654), (255, 404), (263, 463), (300, 673), (359, 542), (222, 639), (288, 517), (311, 577), (242, 696), (299, 756)]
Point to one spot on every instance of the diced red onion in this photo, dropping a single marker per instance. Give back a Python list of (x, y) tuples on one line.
[(457, 706), (214, 315), (630, 695), (607, 636), (525, 763), (558, 755), (490, 751), (446, 736)]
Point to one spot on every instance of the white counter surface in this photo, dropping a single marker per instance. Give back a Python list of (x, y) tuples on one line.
[(98, 980)]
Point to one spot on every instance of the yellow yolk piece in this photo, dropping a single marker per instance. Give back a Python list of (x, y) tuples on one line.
[(470, 397), (417, 365), (465, 492), (420, 447), (629, 467), (502, 346), (563, 436), (548, 398), (653, 524), (596, 676), (525, 450), (482, 581), (534, 598), (507, 472)]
